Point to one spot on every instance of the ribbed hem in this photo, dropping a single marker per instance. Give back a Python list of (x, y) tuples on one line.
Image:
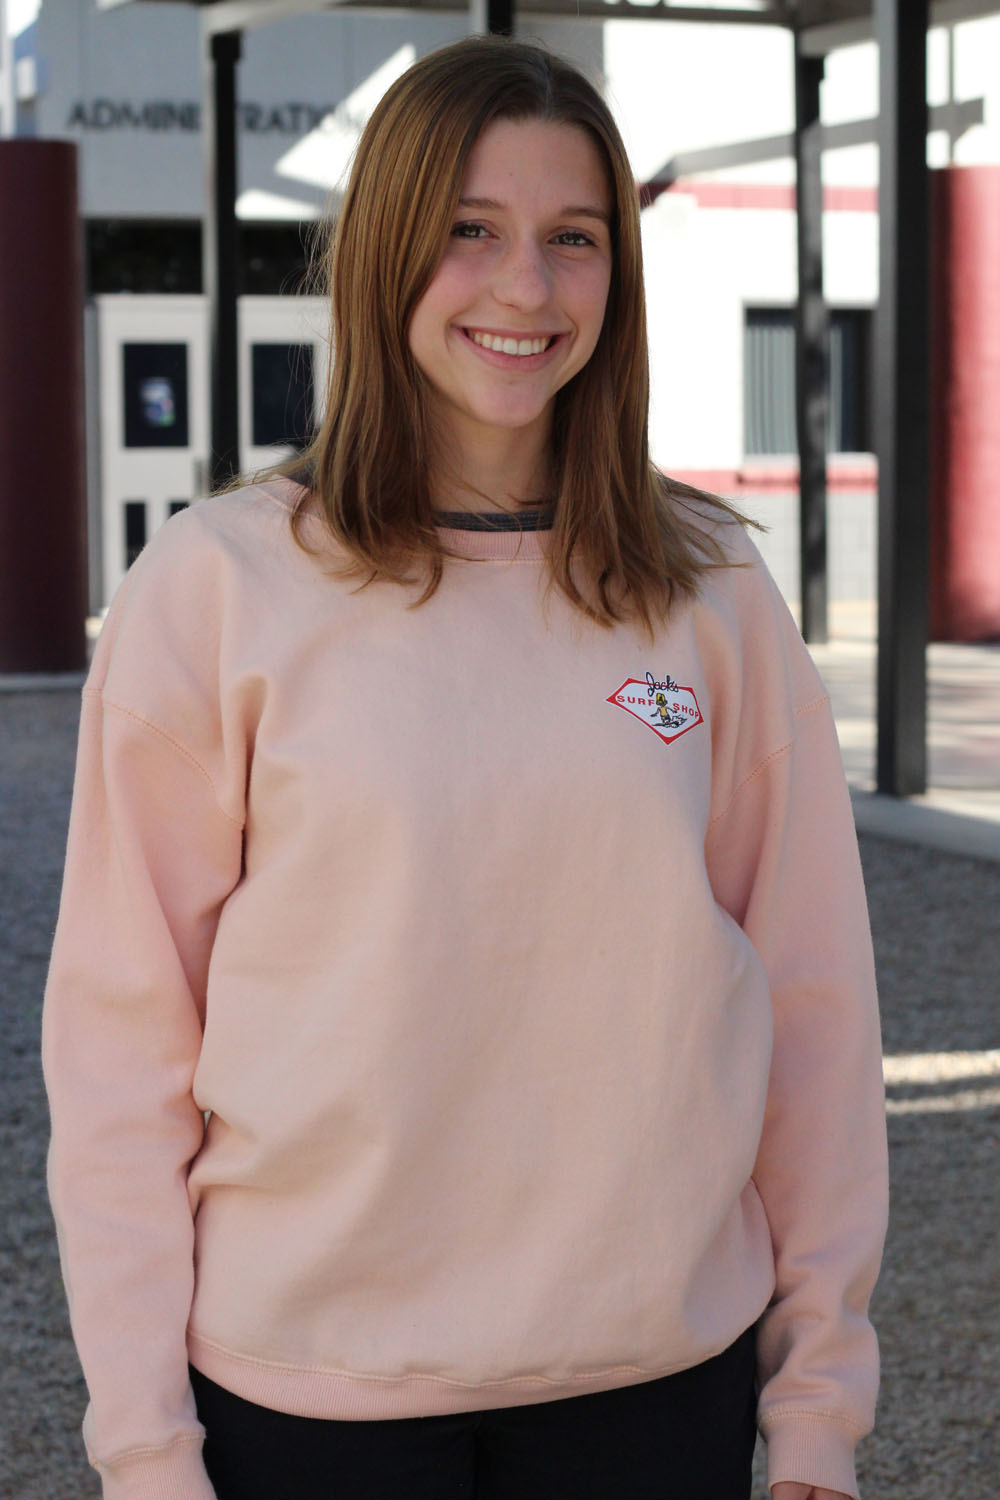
[(348, 1396), (810, 1449), (172, 1473)]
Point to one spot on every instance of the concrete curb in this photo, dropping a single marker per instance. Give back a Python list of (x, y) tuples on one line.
[(911, 821), (41, 682)]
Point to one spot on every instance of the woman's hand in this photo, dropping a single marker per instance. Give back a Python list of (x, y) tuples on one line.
[(785, 1489)]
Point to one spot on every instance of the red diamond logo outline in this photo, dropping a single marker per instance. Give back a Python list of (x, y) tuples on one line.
[(669, 719)]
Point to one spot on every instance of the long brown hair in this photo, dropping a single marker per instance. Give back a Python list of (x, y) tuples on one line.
[(624, 537)]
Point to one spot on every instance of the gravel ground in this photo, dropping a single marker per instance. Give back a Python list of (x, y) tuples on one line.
[(938, 1303)]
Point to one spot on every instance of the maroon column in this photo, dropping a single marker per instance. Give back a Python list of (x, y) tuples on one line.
[(43, 570), (965, 404)]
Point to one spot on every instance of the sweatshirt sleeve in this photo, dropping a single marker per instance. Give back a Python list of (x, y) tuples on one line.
[(151, 856), (783, 860)]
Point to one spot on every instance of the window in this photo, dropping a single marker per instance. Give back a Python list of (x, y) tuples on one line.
[(164, 255), (283, 400), (139, 255), (154, 378), (769, 381)]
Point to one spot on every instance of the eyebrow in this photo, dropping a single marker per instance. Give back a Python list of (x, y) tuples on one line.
[(572, 211)]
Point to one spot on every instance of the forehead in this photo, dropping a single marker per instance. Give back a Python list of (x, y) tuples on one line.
[(537, 159)]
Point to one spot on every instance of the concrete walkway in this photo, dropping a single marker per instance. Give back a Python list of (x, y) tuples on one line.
[(961, 810)]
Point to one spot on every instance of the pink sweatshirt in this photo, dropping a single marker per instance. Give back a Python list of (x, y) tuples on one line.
[(520, 970)]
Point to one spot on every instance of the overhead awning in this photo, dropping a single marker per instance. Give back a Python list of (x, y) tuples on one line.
[(823, 24)]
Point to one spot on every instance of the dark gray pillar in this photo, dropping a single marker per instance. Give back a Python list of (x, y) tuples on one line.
[(221, 253), (901, 397), (812, 348)]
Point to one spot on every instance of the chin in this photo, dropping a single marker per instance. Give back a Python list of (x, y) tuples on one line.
[(509, 421)]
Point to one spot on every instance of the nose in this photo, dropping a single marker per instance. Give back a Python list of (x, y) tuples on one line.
[(523, 279)]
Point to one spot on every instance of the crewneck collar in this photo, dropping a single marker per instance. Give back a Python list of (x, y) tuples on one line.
[(496, 520), (521, 538), (504, 544), (495, 535)]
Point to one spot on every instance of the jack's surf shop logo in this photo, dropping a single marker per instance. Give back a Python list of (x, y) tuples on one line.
[(665, 707)]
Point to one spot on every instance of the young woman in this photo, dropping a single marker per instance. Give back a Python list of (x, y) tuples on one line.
[(461, 1035)]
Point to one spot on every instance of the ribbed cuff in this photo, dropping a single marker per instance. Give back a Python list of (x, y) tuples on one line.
[(811, 1450), (172, 1473)]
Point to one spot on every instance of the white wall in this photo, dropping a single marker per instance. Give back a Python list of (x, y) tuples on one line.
[(681, 86), (703, 267), (141, 55)]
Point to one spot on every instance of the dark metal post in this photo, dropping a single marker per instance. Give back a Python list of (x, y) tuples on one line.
[(495, 16), (902, 404), (500, 17), (221, 253), (812, 348)]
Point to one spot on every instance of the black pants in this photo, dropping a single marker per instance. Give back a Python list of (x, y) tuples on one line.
[(688, 1436)]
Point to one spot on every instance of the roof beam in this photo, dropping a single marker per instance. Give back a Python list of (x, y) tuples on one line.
[(584, 10), (817, 41), (955, 117), (817, 38), (247, 15), (219, 16)]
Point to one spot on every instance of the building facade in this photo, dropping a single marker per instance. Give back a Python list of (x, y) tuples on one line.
[(714, 103)]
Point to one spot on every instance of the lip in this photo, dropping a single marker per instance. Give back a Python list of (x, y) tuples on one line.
[(526, 362)]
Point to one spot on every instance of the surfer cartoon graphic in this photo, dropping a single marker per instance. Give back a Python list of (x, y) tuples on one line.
[(667, 719)]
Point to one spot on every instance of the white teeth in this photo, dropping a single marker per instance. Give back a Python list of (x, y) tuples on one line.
[(520, 347)]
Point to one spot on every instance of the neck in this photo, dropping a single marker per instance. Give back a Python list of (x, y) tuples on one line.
[(500, 470)]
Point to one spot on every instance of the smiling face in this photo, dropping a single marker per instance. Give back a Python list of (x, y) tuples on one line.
[(515, 307)]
